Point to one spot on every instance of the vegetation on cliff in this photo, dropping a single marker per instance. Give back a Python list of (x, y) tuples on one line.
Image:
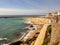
[(48, 36)]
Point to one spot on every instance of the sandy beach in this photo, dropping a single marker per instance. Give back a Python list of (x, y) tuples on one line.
[(38, 20)]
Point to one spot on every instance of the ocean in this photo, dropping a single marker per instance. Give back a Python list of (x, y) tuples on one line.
[(12, 28)]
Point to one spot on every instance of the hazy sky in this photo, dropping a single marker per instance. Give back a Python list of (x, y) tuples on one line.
[(28, 7)]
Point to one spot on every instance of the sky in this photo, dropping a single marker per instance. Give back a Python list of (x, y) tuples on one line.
[(28, 7)]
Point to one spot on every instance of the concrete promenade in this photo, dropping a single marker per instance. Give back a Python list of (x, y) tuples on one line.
[(41, 36)]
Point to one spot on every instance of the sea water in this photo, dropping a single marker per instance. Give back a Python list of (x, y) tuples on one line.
[(12, 27)]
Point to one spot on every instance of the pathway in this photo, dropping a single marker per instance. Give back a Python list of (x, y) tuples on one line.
[(41, 36)]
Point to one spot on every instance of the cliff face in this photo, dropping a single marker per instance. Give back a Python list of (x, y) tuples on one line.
[(55, 34)]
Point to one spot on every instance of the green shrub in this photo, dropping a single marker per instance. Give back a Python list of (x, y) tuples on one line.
[(49, 29), (47, 38)]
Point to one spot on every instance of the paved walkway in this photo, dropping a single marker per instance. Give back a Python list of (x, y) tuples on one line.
[(41, 36)]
